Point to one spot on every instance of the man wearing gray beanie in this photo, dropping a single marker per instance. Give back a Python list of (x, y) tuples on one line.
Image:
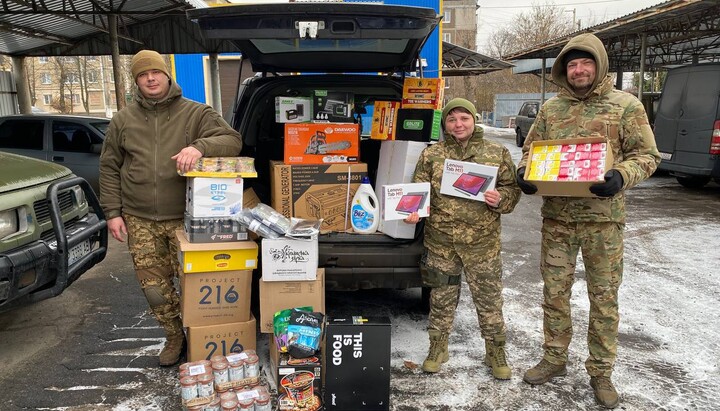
[(141, 192)]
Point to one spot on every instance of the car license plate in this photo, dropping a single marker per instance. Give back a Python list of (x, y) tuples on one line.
[(78, 252), (666, 156)]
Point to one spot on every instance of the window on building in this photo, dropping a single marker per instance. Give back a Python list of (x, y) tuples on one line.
[(47, 99), (43, 60), (71, 78), (45, 78), (447, 37), (91, 58), (447, 17), (92, 76)]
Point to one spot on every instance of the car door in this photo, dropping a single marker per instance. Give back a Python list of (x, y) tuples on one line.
[(24, 136), (75, 145)]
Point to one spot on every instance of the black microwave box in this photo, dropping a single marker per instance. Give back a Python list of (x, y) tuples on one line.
[(357, 363)]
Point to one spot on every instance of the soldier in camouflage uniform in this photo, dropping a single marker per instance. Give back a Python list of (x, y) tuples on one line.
[(463, 235), (141, 192), (587, 106)]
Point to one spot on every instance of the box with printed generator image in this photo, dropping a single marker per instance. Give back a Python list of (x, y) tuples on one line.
[(400, 200), (293, 109), (467, 180)]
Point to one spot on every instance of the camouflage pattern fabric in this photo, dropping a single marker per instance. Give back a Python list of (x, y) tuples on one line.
[(463, 235), (602, 251), (153, 247)]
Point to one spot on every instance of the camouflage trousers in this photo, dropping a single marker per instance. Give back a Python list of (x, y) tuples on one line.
[(482, 266), (153, 247), (602, 251)]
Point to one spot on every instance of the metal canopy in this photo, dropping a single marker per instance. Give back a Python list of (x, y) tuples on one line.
[(677, 32), (459, 61)]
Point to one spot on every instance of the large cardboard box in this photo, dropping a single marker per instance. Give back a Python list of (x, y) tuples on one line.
[(357, 363), (467, 180), (384, 118), (282, 295), (213, 197), (423, 93), (396, 166), (316, 191), (418, 125), (222, 339), (321, 143), (289, 259), (206, 257), (571, 188), (215, 297)]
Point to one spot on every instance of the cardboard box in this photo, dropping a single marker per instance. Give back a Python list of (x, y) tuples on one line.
[(322, 143), (418, 125), (467, 180), (357, 363), (333, 106), (250, 199), (569, 188), (316, 191), (282, 295), (213, 229), (215, 297), (384, 119), (213, 197), (206, 257), (400, 200), (222, 339), (285, 369), (423, 93), (288, 259), (396, 166), (293, 109)]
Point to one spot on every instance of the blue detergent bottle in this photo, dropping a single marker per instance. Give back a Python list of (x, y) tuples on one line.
[(364, 209)]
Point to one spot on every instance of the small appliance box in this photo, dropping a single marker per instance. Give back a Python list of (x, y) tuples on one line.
[(222, 339), (423, 93), (213, 197), (293, 109), (298, 380), (418, 125), (467, 180), (282, 295), (206, 257), (396, 165), (316, 191), (213, 229), (217, 297), (321, 143), (384, 118), (333, 106), (400, 200), (567, 168), (289, 259), (357, 363)]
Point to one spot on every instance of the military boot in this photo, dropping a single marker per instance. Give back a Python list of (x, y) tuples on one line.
[(605, 393), (438, 351), (544, 372), (496, 359), (174, 343)]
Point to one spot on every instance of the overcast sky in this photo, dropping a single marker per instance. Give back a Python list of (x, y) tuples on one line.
[(495, 14)]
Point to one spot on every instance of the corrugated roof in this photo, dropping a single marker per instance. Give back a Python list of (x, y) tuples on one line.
[(459, 61), (677, 32)]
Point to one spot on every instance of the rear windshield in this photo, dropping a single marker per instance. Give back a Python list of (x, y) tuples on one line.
[(270, 46)]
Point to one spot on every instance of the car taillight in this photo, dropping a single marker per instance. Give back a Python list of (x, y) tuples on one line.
[(715, 142)]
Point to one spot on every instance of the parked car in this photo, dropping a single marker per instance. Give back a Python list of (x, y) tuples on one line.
[(48, 239), (349, 38), (687, 124), (72, 141), (524, 120)]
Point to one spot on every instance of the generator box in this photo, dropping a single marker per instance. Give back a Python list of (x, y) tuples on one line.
[(333, 106), (293, 109)]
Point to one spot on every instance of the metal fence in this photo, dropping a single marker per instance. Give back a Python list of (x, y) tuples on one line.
[(8, 94)]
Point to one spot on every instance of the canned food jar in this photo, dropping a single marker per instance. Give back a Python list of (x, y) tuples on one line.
[(246, 404), (228, 395), (252, 366), (237, 370), (218, 358), (188, 388), (206, 387), (214, 405), (262, 402), (220, 370), (229, 405)]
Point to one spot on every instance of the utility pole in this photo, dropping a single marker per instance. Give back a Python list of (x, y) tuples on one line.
[(574, 25)]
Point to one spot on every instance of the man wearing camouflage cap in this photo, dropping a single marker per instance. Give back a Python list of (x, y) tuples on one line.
[(141, 193), (463, 236), (587, 106)]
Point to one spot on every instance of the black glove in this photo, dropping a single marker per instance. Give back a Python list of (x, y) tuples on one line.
[(527, 188), (612, 185)]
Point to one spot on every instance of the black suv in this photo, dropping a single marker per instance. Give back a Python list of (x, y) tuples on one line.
[(348, 38)]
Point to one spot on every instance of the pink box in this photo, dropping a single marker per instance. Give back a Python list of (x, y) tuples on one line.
[(582, 155), (568, 148), (599, 147)]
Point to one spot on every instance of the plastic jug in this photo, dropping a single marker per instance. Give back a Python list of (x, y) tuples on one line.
[(364, 210)]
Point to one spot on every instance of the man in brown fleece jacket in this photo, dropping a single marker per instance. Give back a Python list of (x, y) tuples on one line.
[(141, 193)]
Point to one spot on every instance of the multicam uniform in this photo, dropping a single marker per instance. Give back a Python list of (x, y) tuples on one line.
[(464, 235), (139, 181), (592, 224)]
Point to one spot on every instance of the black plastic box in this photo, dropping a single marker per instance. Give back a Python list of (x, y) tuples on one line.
[(357, 363)]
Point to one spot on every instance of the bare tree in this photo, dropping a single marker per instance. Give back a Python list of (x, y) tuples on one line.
[(32, 77), (82, 70)]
